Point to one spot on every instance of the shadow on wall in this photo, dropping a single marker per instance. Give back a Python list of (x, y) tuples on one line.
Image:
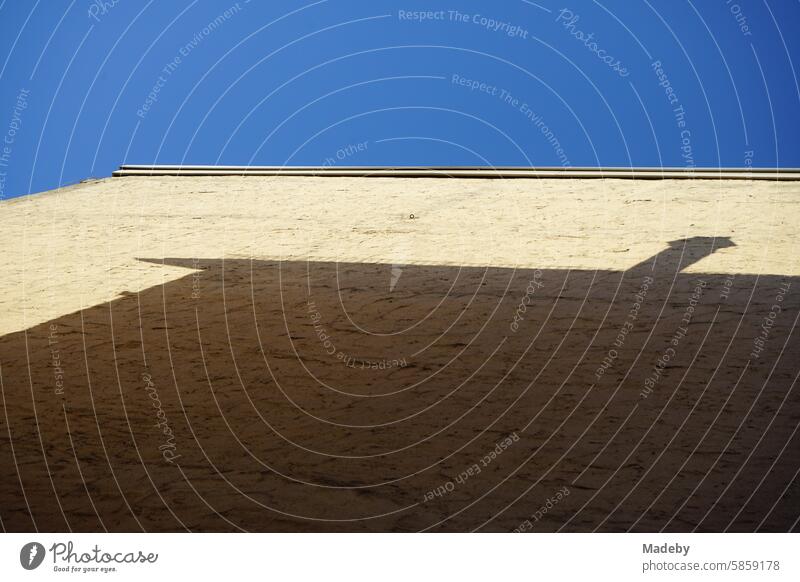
[(300, 396)]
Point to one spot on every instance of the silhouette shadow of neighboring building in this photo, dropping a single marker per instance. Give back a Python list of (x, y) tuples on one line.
[(306, 396)]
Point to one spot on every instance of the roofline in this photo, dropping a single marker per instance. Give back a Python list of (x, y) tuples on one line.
[(646, 173)]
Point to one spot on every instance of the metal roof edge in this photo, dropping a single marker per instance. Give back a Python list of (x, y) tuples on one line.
[(645, 173)]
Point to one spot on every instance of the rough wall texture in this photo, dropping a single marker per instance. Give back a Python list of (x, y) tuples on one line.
[(401, 354)]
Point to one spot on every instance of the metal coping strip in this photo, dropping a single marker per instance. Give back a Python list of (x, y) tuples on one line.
[(645, 173)]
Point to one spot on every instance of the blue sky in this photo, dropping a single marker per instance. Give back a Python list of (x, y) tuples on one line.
[(86, 85)]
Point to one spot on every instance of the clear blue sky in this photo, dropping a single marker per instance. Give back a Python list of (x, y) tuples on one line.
[(86, 85)]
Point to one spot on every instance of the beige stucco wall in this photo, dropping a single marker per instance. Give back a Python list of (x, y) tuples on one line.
[(80, 246)]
